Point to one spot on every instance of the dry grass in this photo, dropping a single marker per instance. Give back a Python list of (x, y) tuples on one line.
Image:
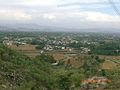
[(109, 65), (26, 47), (29, 50), (58, 56), (109, 61), (109, 57)]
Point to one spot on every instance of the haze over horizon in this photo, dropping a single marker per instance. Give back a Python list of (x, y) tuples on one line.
[(60, 13)]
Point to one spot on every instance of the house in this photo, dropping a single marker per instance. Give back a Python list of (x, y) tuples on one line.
[(48, 48), (7, 42), (19, 43), (63, 48), (85, 50)]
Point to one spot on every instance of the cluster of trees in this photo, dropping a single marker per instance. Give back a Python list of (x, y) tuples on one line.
[(107, 48), (92, 66), (102, 48), (40, 45)]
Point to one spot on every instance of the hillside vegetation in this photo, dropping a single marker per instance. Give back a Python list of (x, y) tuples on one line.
[(19, 72)]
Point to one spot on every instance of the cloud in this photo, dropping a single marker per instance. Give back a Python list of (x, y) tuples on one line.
[(86, 16), (59, 12), (88, 4), (14, 15), (39, 2), (100, 17), (51, 17)]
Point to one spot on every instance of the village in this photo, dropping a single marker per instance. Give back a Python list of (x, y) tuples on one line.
[(45, 43)]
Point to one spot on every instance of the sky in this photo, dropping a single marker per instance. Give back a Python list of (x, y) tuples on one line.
[(61, 13)]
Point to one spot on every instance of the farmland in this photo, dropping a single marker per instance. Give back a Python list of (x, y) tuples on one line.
[(31, 51)]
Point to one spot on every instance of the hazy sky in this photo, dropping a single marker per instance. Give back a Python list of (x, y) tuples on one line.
[(63, 13)]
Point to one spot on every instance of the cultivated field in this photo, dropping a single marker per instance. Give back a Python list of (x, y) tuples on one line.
[(26, 47), (111, 62)]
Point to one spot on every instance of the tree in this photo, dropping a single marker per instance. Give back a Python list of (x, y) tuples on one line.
[(91, 65), (64, 82), (40, 46), (46, 58)]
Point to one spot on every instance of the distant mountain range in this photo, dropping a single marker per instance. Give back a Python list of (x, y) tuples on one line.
[(35, 27)]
